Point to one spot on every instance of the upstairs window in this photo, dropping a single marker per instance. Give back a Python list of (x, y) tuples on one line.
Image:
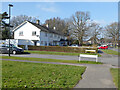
[(46, 34), (45, 43), (58, 36), (55, 35), (21, 33), (33, 33), (51, 35), (41, 42)]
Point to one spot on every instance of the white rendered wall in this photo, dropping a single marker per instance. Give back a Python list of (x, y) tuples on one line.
[(27, 32), (49, 39), (27, 35), (43, 38)]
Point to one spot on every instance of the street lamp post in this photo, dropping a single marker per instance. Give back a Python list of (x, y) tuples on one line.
[(10, 5)]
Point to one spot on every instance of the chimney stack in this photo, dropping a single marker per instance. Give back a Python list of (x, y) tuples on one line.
[(54, 28), (38, 22), (47, 25)]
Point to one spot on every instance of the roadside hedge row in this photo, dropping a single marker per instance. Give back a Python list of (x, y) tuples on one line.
[(22, 46), (60, 49)]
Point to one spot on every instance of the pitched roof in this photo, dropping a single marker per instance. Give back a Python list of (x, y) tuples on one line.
[(43, 28)]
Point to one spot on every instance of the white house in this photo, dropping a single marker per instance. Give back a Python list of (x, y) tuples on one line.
[(40, 35)]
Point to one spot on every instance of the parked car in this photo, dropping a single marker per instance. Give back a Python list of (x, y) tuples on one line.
[(4, 48), (103, 47), (74, 45)]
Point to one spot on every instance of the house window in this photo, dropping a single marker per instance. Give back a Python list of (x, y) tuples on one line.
[(46, 34), (21, 33), (55, 35), (51, 35), (45, 43), (50, 43), (33, 33), (41, 42), (58, 36)]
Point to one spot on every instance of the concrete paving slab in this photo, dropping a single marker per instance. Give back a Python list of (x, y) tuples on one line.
[(96, 77)]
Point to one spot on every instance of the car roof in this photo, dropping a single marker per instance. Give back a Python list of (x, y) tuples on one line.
[(2, 45)]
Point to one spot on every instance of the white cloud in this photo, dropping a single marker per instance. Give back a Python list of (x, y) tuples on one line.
[(49, 9), (103, 22)]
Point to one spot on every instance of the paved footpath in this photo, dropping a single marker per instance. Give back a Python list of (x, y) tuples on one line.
[(95, 76)]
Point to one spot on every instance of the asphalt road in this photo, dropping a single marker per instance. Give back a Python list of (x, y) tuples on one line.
[(108, 59), (62, 57), (115, 49)]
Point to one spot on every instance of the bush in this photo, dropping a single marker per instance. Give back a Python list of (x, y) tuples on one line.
[(60, 49), (94, 45), (22, 46)]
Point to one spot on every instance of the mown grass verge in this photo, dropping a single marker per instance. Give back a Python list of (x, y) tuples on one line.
[(49, 60), (36, 75), (111, 52), (59, 53), (116, 76)]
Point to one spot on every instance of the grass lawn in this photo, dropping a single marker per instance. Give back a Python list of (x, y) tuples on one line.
[(57, 53), (111, 52), (49, 60), (36, 75), (116, 76)]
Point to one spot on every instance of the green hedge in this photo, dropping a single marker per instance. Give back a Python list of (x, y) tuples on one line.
[(60, 49), (22, 46)]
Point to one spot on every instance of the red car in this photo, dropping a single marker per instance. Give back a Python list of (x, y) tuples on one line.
[(103, 47)]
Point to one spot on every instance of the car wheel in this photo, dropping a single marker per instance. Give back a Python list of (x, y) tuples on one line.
[(14, 52)]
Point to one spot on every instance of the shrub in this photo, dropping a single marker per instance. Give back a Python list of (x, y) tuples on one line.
[(22, 46), (61, 49), (94, 45)]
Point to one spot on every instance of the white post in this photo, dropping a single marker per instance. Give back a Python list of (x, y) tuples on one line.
[(96, 58)]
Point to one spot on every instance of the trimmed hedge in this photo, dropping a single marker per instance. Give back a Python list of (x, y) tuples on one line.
[(22, 46), (61, 49)]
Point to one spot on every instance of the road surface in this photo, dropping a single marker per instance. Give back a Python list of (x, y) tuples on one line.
[(108, 59)]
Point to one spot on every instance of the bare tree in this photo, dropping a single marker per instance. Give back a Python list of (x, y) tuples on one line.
[(60, 25), (17, 20), (95, 32), (80, 25), (112, 32)]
